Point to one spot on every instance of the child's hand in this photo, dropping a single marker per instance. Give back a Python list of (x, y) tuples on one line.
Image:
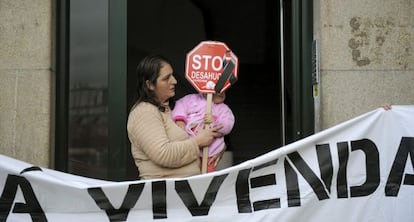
[(180, 124), (208, 118)]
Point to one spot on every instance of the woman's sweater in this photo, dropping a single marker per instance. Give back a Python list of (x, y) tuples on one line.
[(160, 148)]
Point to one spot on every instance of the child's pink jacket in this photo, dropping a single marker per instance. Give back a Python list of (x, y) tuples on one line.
[(192, 108)]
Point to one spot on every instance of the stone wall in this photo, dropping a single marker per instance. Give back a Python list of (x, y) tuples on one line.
[(366, 56), (25, 74)]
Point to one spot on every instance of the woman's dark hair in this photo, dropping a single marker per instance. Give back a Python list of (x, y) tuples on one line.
[(149, 69)]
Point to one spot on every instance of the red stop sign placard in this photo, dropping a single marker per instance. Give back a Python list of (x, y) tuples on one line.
[(211, 67)]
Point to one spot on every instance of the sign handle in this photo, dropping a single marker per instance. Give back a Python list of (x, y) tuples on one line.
[(206, 126)]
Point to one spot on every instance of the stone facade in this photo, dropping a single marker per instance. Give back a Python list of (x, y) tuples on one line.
[(26, 80), (366, 56)]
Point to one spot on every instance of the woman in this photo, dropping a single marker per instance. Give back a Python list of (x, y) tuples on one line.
[(160, 148)]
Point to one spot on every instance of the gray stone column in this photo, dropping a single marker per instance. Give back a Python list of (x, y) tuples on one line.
[(26, 79)]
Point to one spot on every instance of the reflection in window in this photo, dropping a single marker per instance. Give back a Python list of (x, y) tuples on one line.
[(88, 103)]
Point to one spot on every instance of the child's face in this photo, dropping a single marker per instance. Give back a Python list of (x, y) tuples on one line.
[(219, 98)]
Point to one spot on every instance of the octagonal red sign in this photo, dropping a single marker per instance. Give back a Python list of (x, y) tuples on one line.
[(211, 67)]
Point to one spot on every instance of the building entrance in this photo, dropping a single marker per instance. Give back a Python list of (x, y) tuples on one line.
[(249, 28)]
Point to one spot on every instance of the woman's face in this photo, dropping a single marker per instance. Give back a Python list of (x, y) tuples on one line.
[(165, 87)]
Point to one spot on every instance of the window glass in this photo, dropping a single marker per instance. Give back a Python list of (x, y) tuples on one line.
[(88, 84)]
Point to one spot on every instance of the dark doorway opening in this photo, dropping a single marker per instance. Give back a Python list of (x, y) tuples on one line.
[(250, 28)]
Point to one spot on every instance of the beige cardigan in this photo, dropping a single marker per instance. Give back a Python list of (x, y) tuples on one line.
[(160, 148)]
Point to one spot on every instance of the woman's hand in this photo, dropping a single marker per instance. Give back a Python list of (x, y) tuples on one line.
[(206, 136)]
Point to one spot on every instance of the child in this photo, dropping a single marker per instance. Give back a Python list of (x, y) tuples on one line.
[(190, 114)]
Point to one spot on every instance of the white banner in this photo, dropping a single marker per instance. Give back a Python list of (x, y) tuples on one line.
[(360, 170)]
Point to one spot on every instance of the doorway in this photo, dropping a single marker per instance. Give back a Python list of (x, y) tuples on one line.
[(249, 28), (129, 30)]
